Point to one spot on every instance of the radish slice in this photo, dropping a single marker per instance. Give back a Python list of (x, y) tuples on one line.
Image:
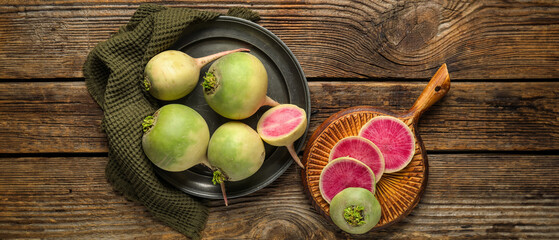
[(342, 173), (394, 139), (361, 149)]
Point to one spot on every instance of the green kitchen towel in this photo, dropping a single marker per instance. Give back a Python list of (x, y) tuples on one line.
[(113, 75)]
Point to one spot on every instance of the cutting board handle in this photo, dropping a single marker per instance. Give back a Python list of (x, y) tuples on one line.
[(437, 87)]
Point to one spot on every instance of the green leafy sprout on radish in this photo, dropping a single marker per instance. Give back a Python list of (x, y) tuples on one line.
[(354, 215)]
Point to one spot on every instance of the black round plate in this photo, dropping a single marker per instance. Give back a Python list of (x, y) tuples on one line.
[(286, 84)]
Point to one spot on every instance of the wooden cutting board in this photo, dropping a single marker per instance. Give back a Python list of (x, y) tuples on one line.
[(398, 192)]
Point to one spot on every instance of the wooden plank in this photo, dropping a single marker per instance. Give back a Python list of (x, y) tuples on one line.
[(68, 198), (468, 196), (493, 39), (50, 117), (472, 116)]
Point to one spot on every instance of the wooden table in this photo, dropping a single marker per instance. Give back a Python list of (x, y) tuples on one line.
[(492, 142)]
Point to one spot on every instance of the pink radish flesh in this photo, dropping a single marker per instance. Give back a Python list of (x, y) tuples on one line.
[(361, 149), (342, 173), (282, 122), (282, 125), (394, 139)]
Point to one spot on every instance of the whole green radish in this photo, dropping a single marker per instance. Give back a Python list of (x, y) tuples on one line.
[(355, 210), (175, 138), (235, 86), (235, 152), (173, 74)]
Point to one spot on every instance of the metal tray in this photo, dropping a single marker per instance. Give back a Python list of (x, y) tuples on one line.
[(286, 84)]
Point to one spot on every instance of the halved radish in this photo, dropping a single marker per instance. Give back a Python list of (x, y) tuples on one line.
[(361, 149), (342, 173), (282, 125), (394, 139)]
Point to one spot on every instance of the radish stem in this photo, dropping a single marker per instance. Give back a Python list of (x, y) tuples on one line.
[(269, 102), (200, 62), (291, 150), (224, 194), (218, 177)]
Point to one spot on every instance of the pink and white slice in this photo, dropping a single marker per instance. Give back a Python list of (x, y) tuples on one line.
[(361, 149), (342, 173), (394, 139)]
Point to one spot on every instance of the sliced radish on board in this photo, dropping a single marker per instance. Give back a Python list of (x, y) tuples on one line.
[(394, 139), (361, 149), (342, 173)]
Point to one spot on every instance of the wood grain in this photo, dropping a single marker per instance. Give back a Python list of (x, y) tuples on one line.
[(49, 117), (472, 116), (493, 39), (491, 142), (68, 197)]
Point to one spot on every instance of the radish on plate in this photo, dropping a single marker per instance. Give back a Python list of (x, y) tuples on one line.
[(355, 210), (282, 125), (236, 85), (235, 152), (173, 74), (175, 137)]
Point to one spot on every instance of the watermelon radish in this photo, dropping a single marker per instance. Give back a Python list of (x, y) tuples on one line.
[(235, 86), (282, 125), (342, 173), (394, 139), (361, 149), (355, 210), (235, 152), (173, 74), (175, 137)]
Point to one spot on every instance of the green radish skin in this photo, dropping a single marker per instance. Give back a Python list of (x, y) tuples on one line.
[(235, 86), (355, 210), (235, 152), (279, 118), (176, 138), (173, 74)]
